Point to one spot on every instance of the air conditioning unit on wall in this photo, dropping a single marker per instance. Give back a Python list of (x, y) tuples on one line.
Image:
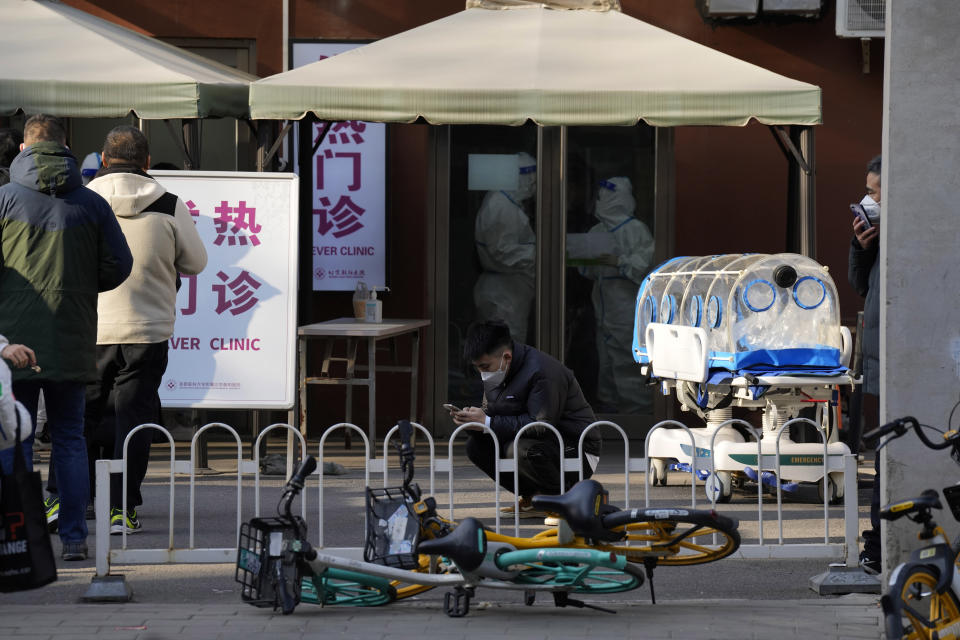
[(861, 18)]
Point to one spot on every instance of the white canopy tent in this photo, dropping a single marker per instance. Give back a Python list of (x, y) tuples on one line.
[(58, 60), (532, 62), (556, 63)]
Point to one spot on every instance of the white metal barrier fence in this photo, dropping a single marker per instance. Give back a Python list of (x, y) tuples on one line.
[(843, 547)]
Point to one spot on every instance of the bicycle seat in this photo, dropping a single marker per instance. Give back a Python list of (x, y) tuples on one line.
[(583, 508), (466, 545), (896, 510)]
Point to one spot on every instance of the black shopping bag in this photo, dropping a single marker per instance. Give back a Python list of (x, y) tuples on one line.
[(26, 556)]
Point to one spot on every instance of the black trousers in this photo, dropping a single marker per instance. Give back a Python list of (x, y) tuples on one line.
[(538, 463), (871, 537), (133, 372)]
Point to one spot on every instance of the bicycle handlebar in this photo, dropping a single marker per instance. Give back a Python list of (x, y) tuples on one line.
[(902, 425), (898, 426), (308, 466), (405, 449), (295, 485)]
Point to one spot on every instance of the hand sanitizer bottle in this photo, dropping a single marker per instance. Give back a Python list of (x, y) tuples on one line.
[(374, 307)]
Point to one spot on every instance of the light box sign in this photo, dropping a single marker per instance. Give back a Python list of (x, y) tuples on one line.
[(234, 339), (349, 197)]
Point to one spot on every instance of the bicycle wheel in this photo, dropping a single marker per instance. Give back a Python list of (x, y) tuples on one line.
[(676, 537), (577, 570), (923, 611), (348, 588)]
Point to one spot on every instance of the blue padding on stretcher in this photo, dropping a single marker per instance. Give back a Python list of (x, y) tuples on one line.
[(797, 361)]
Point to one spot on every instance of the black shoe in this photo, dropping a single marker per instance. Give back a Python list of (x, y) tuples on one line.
[(870, 565), (74, 551)]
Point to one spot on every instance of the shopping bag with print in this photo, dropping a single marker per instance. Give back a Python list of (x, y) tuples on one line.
[(26, 555)]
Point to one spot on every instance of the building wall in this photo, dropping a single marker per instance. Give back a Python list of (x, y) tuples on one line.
[(919, 334), (730, 182)]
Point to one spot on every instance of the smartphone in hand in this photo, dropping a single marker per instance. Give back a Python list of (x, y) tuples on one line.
[(451, 407), (859, 212)]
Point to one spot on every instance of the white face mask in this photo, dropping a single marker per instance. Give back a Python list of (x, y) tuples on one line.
[(493, 378), (872, 209)]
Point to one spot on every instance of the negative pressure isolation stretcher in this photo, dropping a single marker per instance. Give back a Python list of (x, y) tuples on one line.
[(745, 330)]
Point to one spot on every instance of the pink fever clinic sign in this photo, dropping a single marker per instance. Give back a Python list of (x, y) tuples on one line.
[(349, 196), (234, 339)]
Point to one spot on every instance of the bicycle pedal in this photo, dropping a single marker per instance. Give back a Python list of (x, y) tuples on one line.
[(456, 603)]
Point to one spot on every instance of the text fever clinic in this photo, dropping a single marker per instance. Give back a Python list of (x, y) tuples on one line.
[(216, 344), (327, 250)]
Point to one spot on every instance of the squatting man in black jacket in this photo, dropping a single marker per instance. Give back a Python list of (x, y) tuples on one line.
[(523, 385)]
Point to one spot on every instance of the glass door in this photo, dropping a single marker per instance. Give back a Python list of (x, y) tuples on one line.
[(611, 231), (550, 229), (492, 241)]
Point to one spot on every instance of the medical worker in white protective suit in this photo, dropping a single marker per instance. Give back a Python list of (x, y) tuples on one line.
[(619, 380), (507, 248)]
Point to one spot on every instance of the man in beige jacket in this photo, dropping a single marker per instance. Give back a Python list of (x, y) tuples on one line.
[(135, 320)]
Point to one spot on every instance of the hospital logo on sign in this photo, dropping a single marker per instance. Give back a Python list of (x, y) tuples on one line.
[(320, 273)]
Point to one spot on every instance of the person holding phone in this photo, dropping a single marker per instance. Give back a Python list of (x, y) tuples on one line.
[(522, 385), (864, 276)]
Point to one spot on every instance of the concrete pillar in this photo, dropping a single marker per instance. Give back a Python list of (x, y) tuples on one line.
[(920, 250)]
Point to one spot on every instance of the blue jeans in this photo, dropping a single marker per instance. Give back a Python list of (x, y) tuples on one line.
[(65, 405)]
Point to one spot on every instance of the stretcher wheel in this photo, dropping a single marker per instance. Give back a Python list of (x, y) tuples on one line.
[(834, 489), (657, 472), (719, 484)]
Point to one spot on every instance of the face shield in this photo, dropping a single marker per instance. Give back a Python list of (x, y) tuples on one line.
[(527, 180), (91, 165), (615, 201)]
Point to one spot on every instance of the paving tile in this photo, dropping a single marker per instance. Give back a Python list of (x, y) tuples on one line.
[(691, 620)]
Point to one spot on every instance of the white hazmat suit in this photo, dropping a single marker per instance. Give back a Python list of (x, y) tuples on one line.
[(619, 382), (507, 249)]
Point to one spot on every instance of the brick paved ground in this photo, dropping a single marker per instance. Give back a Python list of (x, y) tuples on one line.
[(854, 616)]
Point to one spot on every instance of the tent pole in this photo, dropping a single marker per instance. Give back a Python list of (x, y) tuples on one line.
[(305, 166), (287, 126), (265, 131), (191, 142), (799, 148), (178, 140), (442, 337), (551, 240)]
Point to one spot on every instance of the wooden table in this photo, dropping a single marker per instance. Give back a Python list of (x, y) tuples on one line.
[(354, 331)]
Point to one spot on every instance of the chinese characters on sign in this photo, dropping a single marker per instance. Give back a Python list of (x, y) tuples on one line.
[(349, 199), (238, 228), (234, 336)]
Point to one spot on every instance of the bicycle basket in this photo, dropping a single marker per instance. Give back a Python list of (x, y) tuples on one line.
[(260, 556), (393, 529)]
